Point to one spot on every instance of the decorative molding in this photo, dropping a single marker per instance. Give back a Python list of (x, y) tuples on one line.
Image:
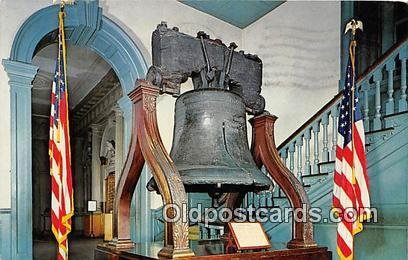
[(21, 76), (96, 95), (98, 111), (89, 16), (42, 80)]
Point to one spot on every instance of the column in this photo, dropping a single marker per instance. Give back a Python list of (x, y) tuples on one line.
[(96, 178), (78, 173), (87, 166), (21, 76), (126, 106), (119, 160)]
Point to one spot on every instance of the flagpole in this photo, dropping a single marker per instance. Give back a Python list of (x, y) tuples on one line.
[(353, 25), (352, 51)]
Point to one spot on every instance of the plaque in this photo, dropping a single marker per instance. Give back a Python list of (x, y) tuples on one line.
[(91, 205), (249, 235)]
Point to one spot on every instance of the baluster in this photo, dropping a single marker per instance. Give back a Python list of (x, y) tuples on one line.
[(389, 105), (316, 130), (365, 86), (244, 201), (251, 199), (262, 201), (256, 200), (291, 157), (307, 152), (402, 104), (325, 123), (299, 144), (204, 232), (269, 199), (212, 233), (377, 116), (284, 155), (334, 114)]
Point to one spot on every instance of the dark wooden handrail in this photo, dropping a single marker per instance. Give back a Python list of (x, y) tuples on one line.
[(336, 98)]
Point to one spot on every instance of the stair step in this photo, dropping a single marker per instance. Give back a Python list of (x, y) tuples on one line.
[(311, 180), (395, 120), (326, 167)]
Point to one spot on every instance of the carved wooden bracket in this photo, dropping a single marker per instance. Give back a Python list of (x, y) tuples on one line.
[(265, 153), (146, 145)]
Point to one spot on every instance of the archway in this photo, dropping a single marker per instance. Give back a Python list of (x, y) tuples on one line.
[(86, 26)]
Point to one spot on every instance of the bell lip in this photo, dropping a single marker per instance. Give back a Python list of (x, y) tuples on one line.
[(209, 89), (206, 188), (207, 175)]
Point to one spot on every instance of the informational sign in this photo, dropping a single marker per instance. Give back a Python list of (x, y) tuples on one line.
[(91, 205), (249, 236)]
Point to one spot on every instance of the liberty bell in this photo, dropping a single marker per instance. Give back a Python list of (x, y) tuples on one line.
[(210, 145)]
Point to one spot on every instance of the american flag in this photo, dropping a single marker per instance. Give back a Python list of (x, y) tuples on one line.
[(351, 189), (62, 202)]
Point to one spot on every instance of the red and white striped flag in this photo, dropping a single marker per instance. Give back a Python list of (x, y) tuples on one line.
[(351, 189), (62, 201)]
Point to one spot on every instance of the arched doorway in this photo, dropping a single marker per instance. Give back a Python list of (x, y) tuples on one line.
[(85, 27)]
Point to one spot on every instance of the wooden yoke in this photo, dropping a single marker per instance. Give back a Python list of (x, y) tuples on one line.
[(146, 145), (265, 153)]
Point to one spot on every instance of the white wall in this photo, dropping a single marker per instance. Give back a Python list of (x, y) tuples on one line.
[(299, 44)]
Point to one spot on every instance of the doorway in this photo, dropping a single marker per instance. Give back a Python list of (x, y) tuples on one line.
[(93, 90), (98, 33)]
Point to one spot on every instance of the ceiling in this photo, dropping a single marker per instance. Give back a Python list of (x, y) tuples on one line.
[(85, 69), (240, 13)]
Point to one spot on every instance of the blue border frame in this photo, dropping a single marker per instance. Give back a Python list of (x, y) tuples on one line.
[(85, 27)]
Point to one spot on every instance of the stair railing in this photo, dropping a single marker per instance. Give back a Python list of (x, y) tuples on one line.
[(309, 151)]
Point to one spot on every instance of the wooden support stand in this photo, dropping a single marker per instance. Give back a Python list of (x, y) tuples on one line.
[(146, 146), (265, 154)]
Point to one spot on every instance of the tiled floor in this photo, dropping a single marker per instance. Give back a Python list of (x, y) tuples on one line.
[(79, 248)]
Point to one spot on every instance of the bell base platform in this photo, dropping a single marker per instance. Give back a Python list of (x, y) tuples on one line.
[(209, 249)]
